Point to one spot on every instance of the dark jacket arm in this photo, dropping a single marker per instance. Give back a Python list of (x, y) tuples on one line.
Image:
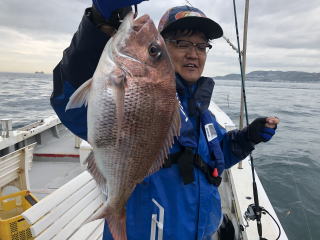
[(236, 147), (77, 66)]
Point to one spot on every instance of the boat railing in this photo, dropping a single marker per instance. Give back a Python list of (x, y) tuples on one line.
[(31, 126), (14, 168)]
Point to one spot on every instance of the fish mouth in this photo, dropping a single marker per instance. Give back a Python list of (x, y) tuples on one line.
[(119, 40), (137, 28), (139, 23)]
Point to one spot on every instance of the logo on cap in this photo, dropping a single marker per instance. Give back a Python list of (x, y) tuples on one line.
[(188, 14)]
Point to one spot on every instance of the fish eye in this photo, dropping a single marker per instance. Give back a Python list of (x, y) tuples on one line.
[(154, 50)]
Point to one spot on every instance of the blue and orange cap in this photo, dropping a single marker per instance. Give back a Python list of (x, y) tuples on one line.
[(187, 17)]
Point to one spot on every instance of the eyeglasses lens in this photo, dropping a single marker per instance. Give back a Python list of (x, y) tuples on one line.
[(201, 47)]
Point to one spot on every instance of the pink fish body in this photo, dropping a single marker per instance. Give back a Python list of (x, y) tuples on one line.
[(133, 114)]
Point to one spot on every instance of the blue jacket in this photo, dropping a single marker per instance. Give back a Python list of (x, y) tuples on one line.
[(191, 211)]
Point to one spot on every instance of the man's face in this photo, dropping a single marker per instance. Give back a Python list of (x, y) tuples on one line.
[(188, 62)]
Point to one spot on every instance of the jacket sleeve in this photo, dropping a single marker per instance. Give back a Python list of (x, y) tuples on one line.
[(77, 66), (236, 147)]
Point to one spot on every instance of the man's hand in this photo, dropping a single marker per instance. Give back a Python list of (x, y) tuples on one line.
[(262, 129), (272, 122), (106, 7)]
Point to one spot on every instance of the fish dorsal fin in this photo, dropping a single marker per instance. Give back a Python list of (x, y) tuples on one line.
[(96, 174), (80, 96), (174, 130)]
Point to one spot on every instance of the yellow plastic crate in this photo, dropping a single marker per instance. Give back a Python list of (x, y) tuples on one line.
[(12, 224)]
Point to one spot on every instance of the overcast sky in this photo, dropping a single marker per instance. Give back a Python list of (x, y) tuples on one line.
[(283, 35)]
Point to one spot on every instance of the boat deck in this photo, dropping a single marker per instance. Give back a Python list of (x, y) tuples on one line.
[(54, 164), (56, 174), (59, 149)]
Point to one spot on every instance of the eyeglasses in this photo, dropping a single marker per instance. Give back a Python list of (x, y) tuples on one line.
[(186, 45)]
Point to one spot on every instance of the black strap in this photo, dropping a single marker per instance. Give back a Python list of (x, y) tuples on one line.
[(207, 170), (172, 159), (186, 161)]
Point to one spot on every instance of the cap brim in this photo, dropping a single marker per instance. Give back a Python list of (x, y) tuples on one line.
[(210, 28)]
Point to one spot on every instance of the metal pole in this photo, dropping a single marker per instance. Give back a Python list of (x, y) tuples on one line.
[(77, 142), (6, 128), (244, 58)]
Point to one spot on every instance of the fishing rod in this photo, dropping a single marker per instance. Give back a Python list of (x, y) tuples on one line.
[(254, 211), (256, 208)]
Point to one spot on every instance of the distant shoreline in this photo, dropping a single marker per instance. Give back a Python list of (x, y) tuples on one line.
[(274, 76), (265, 76), (29, 73)]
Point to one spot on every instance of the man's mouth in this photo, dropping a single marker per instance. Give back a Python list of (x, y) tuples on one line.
[(190, 65)]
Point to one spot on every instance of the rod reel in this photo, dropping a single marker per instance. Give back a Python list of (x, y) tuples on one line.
[(251, 215)]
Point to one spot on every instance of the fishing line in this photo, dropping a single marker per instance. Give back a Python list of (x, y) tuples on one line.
[(279, 229), (188, 3)]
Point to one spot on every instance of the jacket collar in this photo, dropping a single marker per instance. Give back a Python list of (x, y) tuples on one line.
[(200, 92)]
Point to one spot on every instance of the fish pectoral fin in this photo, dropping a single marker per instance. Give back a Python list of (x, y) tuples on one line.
[(117, 78), (118, 83), (119, 99), (80, 96), (96, 173)]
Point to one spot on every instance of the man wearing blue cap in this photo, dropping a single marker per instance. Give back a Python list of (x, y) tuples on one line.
[(187, 186)]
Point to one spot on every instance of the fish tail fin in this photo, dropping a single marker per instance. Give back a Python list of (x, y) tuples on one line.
[(116, 221), (117, 224)]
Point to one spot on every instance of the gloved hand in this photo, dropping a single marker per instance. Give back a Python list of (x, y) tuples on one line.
[(261, 129), (110, 25), (106, 7)]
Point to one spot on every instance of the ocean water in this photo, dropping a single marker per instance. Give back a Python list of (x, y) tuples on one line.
[(24, 98), (288, 165)]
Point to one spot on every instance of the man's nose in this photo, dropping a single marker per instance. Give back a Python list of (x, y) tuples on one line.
[(192, 52)]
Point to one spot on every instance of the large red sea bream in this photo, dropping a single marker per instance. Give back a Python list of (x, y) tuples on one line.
[(133, 114)]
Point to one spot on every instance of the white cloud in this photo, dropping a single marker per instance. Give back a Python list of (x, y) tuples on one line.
[(283, 35), (34, 33), (22, 52), (48, 16)]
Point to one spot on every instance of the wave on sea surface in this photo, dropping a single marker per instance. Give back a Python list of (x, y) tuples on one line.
[(288, 166), (24, 97)]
